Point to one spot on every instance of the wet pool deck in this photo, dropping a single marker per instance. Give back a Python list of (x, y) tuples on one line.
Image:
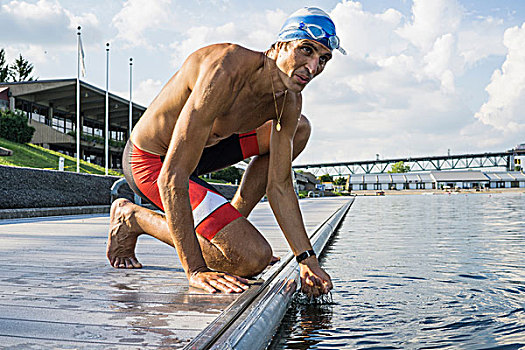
[(58, 291)]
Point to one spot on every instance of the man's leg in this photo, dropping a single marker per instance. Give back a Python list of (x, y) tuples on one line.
[(255, 178), (238, 248)]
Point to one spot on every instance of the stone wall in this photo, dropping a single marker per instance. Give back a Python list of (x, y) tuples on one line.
[(37, 188)]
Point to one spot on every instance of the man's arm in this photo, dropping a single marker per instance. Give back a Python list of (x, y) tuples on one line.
[(210, 97), (284, 203)]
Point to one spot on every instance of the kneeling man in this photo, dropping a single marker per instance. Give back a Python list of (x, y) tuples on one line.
[(226, 104)]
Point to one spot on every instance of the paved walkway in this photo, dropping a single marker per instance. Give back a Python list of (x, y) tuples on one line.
[(57, 289)]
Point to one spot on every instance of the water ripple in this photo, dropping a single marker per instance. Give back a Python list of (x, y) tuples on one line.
[(421, 272)]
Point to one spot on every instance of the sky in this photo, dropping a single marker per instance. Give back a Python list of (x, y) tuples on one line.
[(421, 77)]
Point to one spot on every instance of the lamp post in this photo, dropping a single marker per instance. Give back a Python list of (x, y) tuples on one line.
[(79, 129), (106, 143), (130, 94)]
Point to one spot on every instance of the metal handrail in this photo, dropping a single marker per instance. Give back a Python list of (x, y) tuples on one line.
[(116, 186)]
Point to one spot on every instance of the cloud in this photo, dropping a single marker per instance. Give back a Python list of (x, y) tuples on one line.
[(137, 17), (506, 102), (354, 29), (395, 94), (43, 23), (431, 20), (147, 90), (480, 39), (257, 31)]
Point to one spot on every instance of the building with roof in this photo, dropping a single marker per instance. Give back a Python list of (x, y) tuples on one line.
[(436, 180), (51, 109), (305, 181), (460, 179)]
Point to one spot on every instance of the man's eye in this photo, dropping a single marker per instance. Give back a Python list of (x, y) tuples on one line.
[(324, 59), (307, 50)]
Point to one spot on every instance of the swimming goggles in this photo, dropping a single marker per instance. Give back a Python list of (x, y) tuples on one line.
[(317, 32)]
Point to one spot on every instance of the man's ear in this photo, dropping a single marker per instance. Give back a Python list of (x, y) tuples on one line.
[(281, 45), (275, 48)]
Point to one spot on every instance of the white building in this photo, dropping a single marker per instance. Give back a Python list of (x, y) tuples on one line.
[(436, 180)]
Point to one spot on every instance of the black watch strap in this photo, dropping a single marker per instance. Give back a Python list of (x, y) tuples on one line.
[(304, 255)]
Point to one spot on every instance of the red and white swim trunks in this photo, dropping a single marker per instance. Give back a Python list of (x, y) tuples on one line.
[(211, 211)]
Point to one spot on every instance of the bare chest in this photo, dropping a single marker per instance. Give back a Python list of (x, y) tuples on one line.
[(244, 115)]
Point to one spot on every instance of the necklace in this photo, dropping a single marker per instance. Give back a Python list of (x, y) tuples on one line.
[(277, 114)]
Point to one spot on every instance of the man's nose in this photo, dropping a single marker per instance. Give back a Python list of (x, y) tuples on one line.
[(313, 65)]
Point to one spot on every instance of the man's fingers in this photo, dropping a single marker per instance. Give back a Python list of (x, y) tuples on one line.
[(213, 282), (239, 281), (207, 287), (305, 287), (327, 286), (232, 285), (309, 281), (218, 286), (225, 286)]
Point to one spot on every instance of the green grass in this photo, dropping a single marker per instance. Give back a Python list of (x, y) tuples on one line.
[(215, 181), (33, 156)]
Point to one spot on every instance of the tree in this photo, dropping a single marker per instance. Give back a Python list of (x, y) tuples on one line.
[(13, 127), (4, 67), (229, 174), (340, 181), (21, 70), (399, 167), (326, 178)]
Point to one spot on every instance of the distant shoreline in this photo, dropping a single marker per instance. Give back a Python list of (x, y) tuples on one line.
[(437, 192)]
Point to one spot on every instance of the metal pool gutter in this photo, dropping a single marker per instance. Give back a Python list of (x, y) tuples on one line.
[(251, 321)]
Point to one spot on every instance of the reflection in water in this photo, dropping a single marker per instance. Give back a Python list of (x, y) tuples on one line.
[(421, 272), (304, 323)]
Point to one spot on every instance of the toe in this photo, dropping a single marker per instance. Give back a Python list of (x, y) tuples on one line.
[(128, 263), (136, 263), (119, 263)]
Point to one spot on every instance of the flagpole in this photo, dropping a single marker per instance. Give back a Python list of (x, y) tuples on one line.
[(107, 108), (78, 131), (130, 92)]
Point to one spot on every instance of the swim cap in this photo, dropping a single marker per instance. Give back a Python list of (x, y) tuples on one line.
[(311, 23)]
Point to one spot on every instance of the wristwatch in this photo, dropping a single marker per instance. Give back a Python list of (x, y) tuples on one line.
[(304, 255)]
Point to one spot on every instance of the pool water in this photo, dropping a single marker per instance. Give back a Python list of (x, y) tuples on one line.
[(420, 272)]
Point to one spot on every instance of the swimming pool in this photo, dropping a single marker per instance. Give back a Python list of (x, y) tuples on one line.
[(415, 271)]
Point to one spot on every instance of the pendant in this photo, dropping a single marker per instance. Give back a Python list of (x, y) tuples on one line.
[(278, 126)]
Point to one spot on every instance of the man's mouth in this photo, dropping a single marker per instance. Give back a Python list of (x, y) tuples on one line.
[(303, 79)]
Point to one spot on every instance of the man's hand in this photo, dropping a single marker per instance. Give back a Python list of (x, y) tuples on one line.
[(314, 280), (214, 282)]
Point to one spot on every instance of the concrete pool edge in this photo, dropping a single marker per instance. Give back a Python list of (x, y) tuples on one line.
[(251, 321)]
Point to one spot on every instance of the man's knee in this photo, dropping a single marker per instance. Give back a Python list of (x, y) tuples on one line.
[(247, 251), (253, 256), (257, 259)]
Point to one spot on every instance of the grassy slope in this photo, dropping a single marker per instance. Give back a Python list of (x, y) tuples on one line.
[(32, 156)]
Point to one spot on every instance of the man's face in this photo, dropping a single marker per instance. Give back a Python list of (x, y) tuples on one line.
[(301, 61)]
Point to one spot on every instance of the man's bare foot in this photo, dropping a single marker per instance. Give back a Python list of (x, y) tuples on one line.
[(122, 236)]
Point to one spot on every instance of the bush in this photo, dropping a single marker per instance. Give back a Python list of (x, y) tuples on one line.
[(13, 127), (229, 174)]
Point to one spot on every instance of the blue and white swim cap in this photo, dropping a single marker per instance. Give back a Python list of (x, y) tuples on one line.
[(311, 23)]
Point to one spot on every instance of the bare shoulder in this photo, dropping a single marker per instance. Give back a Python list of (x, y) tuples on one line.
[(233, 60)]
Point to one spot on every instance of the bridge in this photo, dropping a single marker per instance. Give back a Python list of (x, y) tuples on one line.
[(448, 162)]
